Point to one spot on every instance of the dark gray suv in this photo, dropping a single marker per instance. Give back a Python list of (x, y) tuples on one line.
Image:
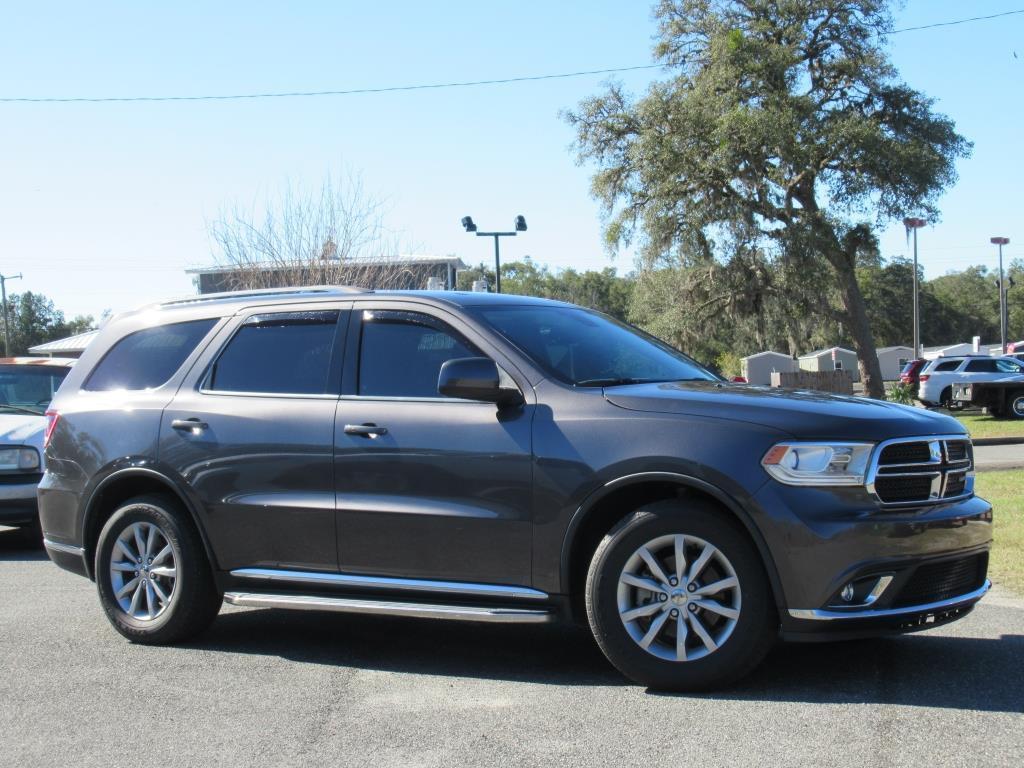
[(495, 458)]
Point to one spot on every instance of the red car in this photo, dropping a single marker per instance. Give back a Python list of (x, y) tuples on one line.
[(911, 371)]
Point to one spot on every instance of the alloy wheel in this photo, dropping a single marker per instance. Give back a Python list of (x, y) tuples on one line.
[(679, 597), (143, 571)]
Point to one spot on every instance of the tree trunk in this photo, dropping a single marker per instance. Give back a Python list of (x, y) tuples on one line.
[(859, 327)]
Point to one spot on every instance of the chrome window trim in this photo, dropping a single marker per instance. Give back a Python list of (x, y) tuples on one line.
[(288, 395), (939, 482), (824, 614), (385, 582)]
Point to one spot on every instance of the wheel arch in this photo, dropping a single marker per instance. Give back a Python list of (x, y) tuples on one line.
[(601, 510), (124, 484)]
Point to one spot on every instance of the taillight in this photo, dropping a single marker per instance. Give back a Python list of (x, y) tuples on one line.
[(925, 377), (52, 417)]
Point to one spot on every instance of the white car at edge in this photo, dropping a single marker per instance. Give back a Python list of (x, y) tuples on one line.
[(27, 384)]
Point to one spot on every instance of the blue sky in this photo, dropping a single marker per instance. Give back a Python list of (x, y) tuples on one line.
[(105, 205)]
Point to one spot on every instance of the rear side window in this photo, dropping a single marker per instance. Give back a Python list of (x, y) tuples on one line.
[(283, 353), (948, 365), (981, 366), (147, 359)]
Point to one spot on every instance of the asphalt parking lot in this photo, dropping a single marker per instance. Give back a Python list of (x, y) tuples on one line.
[(267, 687)]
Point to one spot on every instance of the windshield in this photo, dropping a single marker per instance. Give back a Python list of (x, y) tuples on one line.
[(588, 349), (29, 388)]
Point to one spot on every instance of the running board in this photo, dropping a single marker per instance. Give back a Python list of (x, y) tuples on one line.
[(390, 608)]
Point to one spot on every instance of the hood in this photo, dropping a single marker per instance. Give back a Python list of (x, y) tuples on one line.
[(803, 414), (22, 429)]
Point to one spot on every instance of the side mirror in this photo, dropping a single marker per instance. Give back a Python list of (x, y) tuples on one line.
[(476, 378)]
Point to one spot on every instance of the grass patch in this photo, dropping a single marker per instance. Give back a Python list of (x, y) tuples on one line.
[(1004, 491), (980, 425)]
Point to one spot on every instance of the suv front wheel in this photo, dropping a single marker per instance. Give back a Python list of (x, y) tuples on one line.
[(677, 598), (152, 574)]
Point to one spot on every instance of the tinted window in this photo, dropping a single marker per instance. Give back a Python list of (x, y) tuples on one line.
[(947, 365), (29, 387), (586, 348), (286, 353), (146, 359), (981, 366), (401, 354)]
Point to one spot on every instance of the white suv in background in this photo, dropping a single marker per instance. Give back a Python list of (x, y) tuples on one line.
[(939, 376)]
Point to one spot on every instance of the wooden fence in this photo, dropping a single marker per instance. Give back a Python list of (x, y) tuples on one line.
[(839, 382)]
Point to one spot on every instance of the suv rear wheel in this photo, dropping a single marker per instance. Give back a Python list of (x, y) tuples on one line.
[(152, 574), (677, 598)]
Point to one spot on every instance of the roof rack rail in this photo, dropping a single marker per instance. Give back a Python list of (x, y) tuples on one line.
[(311, 290)]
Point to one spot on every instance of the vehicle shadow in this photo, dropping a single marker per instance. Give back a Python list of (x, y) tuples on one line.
[(920, 670), (21, 544), (970, 673)]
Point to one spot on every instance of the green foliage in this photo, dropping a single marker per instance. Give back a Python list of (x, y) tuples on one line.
[(729, 364), (902, 393), (603, 291), (783, 130), (34, 320)]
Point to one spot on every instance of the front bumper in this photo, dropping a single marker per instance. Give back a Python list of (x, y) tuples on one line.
[(929, 563)]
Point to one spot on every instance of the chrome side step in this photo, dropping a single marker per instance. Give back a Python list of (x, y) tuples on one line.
[(390, 608), (390, 583)]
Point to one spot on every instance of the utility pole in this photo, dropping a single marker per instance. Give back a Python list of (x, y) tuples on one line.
[(7, 321), (1001, 241), (915, 224)]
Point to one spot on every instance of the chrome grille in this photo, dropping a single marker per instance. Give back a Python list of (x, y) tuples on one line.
[(922, 470)]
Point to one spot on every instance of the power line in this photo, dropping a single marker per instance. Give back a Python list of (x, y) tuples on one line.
[(957, 22), (296, 94), (416, 87)]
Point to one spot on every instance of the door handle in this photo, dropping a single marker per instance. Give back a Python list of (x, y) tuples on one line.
[(195, 426), (366, 430)]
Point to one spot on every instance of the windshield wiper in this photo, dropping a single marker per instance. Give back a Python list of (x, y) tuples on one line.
[(19, 409)]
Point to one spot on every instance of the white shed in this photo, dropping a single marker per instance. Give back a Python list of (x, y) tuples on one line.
[(930, 353), (757, 369), (831, 359), (892, 359)]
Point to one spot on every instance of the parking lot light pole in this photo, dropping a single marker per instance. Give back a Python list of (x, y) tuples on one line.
[(1001, 241), (520, 226), (912, 223)]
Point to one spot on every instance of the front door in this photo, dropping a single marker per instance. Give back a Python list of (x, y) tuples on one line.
[(427, 486), (252, 432)]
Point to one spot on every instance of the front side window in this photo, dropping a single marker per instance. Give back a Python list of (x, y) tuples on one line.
[(147, 359), (401, 353), (29, 388), (588, 349), (1009, 366), (278, 353)]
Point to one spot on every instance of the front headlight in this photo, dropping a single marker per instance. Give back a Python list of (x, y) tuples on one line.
[(818, 463)]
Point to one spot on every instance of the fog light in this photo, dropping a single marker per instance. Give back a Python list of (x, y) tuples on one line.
[(847, 593)]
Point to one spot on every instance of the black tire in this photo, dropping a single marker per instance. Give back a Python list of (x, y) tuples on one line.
[(755, 629), (946, 400), (1015, 404), (194, 601)]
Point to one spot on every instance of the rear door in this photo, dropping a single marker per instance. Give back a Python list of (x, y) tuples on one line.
[(442, 490), (252, 432)]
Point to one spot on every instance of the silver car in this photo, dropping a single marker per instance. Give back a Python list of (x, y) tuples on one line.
[(27, 384)]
